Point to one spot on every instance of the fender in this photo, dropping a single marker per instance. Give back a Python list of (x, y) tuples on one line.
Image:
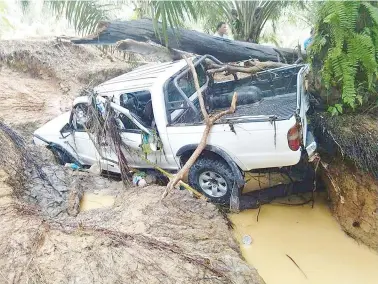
[(239, 179), (51, 145), (60, 148)]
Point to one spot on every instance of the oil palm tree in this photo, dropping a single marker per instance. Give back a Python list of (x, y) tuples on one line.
[(252, 15), (84, 15)]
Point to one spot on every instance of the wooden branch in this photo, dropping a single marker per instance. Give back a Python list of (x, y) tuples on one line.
[(232, 69), (209, 121), (197, 86)]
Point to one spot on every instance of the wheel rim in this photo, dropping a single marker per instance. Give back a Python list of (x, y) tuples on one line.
[(213, 184)]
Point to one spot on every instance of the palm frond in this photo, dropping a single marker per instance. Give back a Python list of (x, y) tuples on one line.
[(4, 22), (25, 5), (83, 15)]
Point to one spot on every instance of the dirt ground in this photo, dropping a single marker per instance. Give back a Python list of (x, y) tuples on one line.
[(139, 239), (40, 79)]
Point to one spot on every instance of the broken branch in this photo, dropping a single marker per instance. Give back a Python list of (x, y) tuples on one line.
[(197, 86), (232, 69)]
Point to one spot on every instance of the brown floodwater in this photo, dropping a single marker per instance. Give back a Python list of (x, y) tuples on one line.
[(94, 201), (310, 237)]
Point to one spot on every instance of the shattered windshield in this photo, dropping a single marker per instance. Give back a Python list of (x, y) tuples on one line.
[(186, 83)]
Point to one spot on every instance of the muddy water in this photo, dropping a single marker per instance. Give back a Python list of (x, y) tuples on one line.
[(94, 201), (312, 238)]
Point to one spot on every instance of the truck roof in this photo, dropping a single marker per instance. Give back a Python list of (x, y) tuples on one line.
[(141, 78)]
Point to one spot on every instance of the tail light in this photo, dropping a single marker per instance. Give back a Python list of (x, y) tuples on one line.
[(294, 137)]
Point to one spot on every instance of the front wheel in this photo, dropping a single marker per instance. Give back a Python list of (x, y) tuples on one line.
[(213, 177), (61, 157)]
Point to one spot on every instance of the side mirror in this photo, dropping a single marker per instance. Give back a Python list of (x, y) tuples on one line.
[(66, 130)]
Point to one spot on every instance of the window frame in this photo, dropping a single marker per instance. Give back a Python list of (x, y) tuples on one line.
[(188, 102), (135, 116), (73, 113)]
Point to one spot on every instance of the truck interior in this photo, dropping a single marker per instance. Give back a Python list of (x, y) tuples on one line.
[(140, 104)]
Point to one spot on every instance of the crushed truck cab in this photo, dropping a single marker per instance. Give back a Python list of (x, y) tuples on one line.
[(267, 130)]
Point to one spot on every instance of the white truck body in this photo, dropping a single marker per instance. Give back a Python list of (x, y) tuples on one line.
[(251, 141)]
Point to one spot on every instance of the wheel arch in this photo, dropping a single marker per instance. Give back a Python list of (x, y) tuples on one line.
[(185, 152), (56, 147)]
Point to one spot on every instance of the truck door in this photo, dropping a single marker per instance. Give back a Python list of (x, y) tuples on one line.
[(133, 137), (82, 144)]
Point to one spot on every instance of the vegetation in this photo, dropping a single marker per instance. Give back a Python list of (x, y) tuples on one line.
[(345, 51), (4, 23), (84, 15), (247, 24)]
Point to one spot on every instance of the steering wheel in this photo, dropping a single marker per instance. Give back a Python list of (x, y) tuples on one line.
[(132, 103)]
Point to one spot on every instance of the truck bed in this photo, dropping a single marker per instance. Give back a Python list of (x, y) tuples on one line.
[(281, 106), (271, 93)]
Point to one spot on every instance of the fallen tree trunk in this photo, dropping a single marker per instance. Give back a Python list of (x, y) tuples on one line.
[(187, 40)]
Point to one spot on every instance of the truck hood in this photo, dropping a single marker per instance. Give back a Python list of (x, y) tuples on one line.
[(53, 127)]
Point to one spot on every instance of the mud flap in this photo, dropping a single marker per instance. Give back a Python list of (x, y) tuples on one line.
[(235, 199)]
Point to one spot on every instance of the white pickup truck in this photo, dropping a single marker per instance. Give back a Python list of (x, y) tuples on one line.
[(267, 130)]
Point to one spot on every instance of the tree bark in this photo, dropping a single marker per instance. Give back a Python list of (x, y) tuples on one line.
[(109, 33)]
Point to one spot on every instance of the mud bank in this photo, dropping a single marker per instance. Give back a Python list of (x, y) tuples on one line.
[(349, 149), (354, 196)]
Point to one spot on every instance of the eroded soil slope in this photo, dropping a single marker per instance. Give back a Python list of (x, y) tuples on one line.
[(40, 79)]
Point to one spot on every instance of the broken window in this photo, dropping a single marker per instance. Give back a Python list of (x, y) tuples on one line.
[(177, 106), (80, 117), (140, 105)]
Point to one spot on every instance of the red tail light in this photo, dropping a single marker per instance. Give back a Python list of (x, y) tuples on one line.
[(293, 137)]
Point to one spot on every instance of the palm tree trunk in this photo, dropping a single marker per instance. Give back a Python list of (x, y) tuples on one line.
[(110, 33)]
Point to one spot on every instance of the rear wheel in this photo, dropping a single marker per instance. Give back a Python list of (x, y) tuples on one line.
[(213, 177)]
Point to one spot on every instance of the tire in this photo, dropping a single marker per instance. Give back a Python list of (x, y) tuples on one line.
[(219, 174), (61, 157)]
